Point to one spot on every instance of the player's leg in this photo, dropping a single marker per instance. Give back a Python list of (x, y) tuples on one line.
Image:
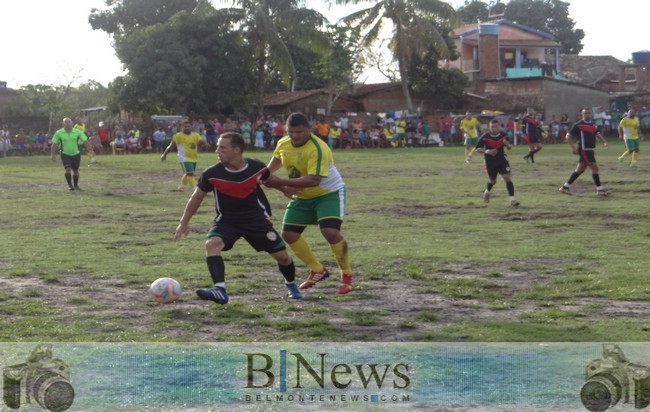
[(214, 245), (635, 154), (288, 271), (505, 175), (74, 165), (566, 187), (629, 149), (600, 190), (263, 237), (492, 180), (330, 210), (67, 166)]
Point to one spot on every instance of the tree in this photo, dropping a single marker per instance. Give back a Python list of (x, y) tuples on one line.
[(476, 10), (473, 11), (191, 64), (270, 25), (126, 16), (414, 30), (446, 86), (340, 66), (551, 16)]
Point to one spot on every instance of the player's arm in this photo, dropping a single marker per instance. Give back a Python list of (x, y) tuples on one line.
[(299, 182), (480, 146), (620, 130), (169, 148), (506, 142), (569, 140), (191, 208), (274, 165), (89, 148), (600, 137), (273, 181), (54, 151)]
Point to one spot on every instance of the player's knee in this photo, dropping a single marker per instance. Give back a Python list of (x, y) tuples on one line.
[(282, 257), (214, 245), (290, 236), (332, 235)]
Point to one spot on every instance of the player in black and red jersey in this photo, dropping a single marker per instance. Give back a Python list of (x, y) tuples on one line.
[(243, 211), (492, 145), (586, 133), (532, 128)]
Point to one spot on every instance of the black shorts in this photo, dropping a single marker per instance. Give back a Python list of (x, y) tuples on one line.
[(260, 235), (532, 139), (495, 170), (71, 162), (587, 156)]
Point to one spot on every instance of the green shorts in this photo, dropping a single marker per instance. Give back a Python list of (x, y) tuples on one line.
[(303, 212), (471, 141), (188, 167), (632, 144)]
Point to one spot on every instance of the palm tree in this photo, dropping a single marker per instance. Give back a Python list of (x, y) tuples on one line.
[(415, 29), (270, 25)]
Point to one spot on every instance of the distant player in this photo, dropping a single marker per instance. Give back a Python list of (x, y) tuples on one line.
[(187, 144), (492, 145), (470, 126), (67, 141), (532, 129), (585, 132), (629, 129)]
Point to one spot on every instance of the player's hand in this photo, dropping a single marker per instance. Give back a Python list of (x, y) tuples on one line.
[(606, 145), (574, 150), (163, 157), (181, 231), (290, 191), (491, 152)]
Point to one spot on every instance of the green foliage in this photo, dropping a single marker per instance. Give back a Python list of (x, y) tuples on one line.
[(447, 86), (270, 26), (415, 30), (551, 16), (185, 66), (126, 16)]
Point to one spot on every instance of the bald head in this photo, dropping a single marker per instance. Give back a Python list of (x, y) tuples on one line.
[(67, 123)]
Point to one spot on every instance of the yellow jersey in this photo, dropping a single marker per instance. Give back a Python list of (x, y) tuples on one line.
[(187, 146), (630, 127), (470, 126), (314, 158)]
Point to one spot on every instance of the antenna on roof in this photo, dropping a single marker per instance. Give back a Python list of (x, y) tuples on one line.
[(495, 16)]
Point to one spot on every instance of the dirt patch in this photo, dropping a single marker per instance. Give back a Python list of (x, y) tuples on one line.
[(406, 316)]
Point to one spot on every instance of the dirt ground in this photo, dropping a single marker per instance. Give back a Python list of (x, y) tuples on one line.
[(133, 307)]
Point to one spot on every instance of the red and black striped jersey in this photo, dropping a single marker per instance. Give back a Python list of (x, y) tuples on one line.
[(237, 193), (585, 132)]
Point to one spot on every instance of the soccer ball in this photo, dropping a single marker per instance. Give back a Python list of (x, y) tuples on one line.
[(165, 290)]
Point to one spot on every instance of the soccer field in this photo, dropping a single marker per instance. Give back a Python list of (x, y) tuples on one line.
[(433, 262)]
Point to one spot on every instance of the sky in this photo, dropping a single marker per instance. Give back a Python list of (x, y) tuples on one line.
[(50, 42)]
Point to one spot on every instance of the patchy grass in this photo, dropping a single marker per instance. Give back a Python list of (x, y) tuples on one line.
[(432, 261)]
